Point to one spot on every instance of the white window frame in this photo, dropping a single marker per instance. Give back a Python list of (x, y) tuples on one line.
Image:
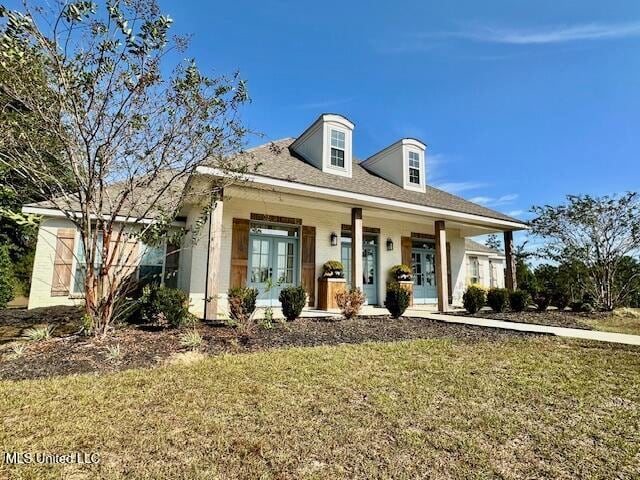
[(343, 149), (410, 167), (471, 260), (74, 266)]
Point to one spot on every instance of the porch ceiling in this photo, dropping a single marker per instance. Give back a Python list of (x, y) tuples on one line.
[(467, 225)]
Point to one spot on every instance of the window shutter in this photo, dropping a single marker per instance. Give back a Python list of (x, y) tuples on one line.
[(405, 250), (309, 262), (239, 252), (61, 281)]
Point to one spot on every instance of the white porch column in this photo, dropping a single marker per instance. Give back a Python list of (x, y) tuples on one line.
[(356, 248), (213, 260), (441, 266), (510, 278)]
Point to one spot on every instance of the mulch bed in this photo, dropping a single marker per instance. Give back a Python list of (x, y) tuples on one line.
[(142, 347), (14, 321), (553, 318)]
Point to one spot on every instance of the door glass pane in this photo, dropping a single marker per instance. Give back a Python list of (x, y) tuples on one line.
[(416, 266), (368, 267), (284, 263), (259, 261), (346, 261), (430, 270)]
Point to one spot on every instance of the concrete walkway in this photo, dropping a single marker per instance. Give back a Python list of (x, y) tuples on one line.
[(529, 327)]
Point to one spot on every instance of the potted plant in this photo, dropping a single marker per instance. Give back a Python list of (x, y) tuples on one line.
[(401, 273), (332, 269)]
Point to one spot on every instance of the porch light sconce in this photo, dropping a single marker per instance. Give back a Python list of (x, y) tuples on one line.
[(389, 245), (334, 239)]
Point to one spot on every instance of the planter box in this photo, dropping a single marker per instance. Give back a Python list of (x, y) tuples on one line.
[(408, 286), (327, 289)]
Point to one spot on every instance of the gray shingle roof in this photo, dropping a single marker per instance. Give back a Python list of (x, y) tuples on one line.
[(276, 160), (478, 247)]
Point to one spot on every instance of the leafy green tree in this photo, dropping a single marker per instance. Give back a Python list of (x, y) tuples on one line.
[(599, 234), (493, 242), (6, 277), (131, 126)]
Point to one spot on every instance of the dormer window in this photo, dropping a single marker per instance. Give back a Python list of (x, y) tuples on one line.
[(337, 148), (414, 168)]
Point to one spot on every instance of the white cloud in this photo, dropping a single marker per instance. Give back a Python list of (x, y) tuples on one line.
[(553, 34), (515, 213), (494, 201), (457, 187), (422, 42)]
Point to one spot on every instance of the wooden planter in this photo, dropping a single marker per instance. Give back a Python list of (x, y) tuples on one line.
[(408, 286), (327, 289)]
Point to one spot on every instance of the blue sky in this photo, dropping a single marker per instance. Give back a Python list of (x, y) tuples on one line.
[(519, 103)]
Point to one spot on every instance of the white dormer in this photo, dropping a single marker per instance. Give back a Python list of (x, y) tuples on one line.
[(401, 163), (327, 144)]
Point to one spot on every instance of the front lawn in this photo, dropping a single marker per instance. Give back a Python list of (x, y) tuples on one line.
[(440, 408)]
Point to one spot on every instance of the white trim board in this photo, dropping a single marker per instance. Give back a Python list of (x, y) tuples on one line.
[(55, 212)]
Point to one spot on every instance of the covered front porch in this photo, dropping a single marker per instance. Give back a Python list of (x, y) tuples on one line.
[(264, 237)]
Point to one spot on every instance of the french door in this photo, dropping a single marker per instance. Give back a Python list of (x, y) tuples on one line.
[(272, 266), (369, 267), (424, 275)]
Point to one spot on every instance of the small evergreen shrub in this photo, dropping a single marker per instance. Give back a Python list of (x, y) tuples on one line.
[(292, 300), (560, 300), (474, 299), (498, 299), (542, 301), (165, 306), (519, 300), (242, 301), (350, 303), (7, 277), (397, 300)]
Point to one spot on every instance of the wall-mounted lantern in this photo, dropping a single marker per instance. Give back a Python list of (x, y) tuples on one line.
[(334, 239), (389, 245)]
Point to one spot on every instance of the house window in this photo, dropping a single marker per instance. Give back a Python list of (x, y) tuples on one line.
[(337, 148), (474, 270), (414, 168)]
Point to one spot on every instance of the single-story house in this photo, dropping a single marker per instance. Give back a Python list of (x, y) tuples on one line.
[(308, 200)]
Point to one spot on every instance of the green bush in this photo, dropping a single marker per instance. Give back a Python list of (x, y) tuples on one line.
[(498, 299), (542, 301), (519, 300), (333, 269), (580, 306), (165, 306), (397, 300), (560, 300), (292, 300), (7, 278), (242, 298), (474, 298)]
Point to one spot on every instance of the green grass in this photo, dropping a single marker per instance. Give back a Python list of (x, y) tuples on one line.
[(622, 320), (541, 408)]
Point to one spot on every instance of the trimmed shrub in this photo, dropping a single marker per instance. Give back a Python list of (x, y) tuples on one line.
[(498, 299), (397, 300), (293, 300), (242, 302), (474, 298), (542, 301), (7, 278), (165, 306), (587, 308), (560, 300), (350, 303), (519, 300)]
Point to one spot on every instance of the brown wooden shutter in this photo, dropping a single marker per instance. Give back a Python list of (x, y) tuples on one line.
[(450, 290), (61, 281), (239, 252), (405, 250), (309, 262)]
